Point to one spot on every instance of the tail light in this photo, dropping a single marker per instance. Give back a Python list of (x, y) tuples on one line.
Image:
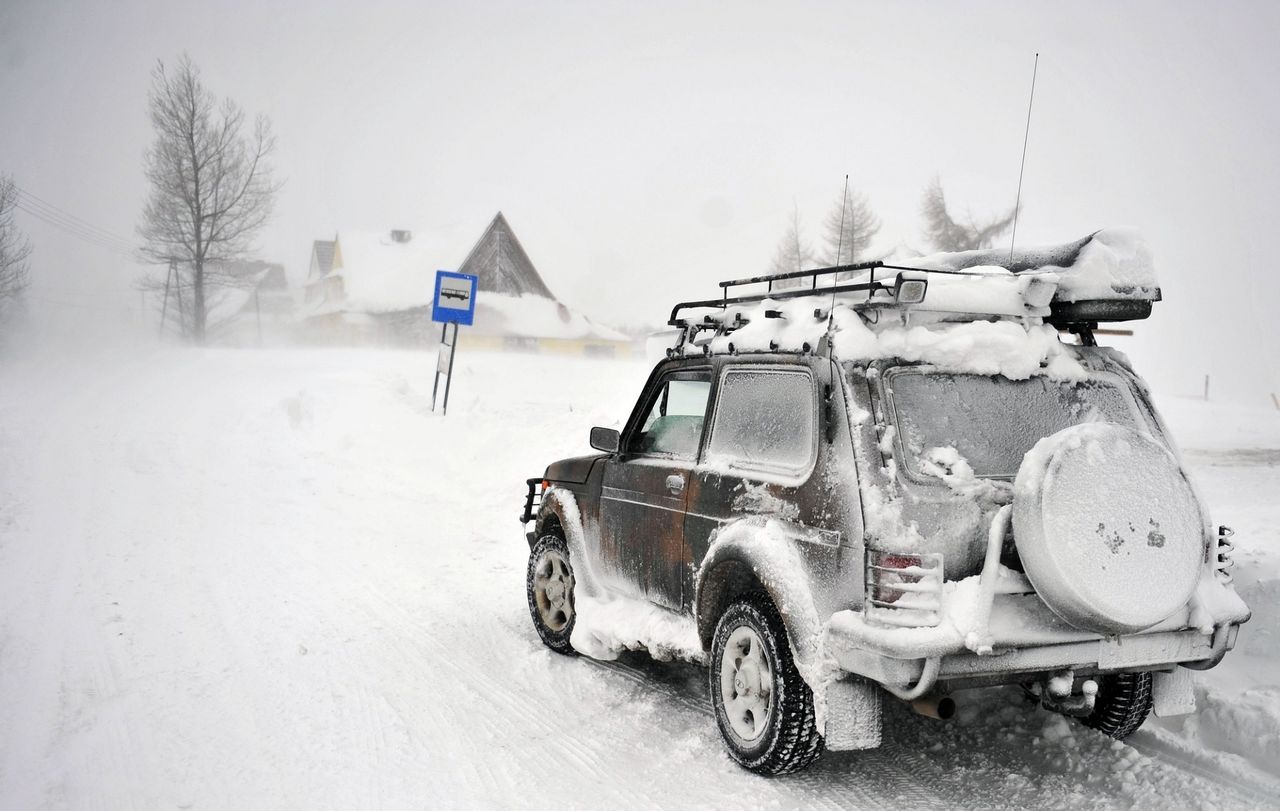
[(903, 590)]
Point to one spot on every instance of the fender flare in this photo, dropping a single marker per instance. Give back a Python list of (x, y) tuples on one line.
[(756, 553), (562, 505)]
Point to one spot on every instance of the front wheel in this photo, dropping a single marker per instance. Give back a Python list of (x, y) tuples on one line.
[(549, 587), (764, 708)]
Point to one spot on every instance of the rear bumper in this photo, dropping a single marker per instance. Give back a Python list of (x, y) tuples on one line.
[(1009, 633), (898, 657)]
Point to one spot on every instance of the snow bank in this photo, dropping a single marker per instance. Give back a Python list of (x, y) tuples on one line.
[(537, 317)]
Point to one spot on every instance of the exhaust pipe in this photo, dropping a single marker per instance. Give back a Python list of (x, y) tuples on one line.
[(936, 706)]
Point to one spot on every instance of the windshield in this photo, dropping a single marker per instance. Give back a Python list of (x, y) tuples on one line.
[(993, 421)]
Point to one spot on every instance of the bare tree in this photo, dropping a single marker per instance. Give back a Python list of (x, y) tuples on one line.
[(211, 184), (793, 253), (850, 227), (14, 251), (945, 233)]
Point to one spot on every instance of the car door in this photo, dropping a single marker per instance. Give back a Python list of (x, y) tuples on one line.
[(643, 493), (760, 452)]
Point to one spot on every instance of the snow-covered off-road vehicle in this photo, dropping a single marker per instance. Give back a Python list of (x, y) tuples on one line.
[(898, 480)]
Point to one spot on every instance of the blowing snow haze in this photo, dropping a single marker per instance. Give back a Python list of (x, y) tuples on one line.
[(643, 154), (247, 561)]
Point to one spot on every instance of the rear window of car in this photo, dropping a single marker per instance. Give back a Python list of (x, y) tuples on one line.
[(992, 421), (764, 420)]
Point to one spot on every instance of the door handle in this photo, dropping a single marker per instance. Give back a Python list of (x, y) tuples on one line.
[(675, 483)]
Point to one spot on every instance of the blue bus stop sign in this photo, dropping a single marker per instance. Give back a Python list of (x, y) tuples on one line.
[(455, 299)]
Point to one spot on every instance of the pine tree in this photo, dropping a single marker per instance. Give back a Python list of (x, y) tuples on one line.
[(793, 253), (945, 233), (851, 226)]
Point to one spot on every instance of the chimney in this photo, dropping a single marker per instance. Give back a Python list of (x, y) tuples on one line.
[(401, 235)]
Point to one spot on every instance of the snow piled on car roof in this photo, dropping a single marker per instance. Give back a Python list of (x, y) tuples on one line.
[(1005, 346), (1113, 263), (988, 321), (980, 347)]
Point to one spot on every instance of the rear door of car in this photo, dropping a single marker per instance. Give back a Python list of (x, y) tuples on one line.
[(644, 489), (761, 449)]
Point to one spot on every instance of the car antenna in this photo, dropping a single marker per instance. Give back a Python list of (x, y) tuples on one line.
[(1017, 203), (835, 280)]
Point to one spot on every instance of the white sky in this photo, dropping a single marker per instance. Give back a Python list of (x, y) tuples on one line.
[(644, 151)]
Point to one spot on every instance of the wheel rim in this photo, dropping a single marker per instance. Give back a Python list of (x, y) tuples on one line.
[(746, 684), (553, 590)]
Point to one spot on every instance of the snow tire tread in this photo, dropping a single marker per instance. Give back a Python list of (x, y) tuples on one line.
[(558, 641), (793, 742), (1124, 702)]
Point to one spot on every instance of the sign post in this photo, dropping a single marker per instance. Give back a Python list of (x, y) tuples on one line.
[(454, 303)]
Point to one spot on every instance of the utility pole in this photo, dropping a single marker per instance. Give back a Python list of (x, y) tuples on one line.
[(182, 309), (257, 314), (164, 308)]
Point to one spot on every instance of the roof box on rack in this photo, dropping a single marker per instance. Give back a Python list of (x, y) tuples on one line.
[(1106, 276)]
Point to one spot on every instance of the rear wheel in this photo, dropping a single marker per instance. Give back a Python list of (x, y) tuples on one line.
[(763, 706), (549, 587), (1124, 702)]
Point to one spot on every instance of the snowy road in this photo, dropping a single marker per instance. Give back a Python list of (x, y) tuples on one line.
[(275, 580)]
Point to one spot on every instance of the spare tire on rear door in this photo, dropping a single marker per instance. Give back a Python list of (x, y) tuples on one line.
[(1107, 527)]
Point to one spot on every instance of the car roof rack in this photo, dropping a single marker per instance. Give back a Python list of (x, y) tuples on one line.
[(871, 286)]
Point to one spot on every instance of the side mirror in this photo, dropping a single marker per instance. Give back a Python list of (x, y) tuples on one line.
[(605, 439)]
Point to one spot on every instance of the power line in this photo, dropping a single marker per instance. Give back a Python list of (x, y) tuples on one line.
[(109, 246), (69, 226), (81, 229), (80, 305), (72, 229), (44, 204)]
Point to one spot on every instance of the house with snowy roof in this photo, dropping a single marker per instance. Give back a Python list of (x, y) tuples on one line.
[(249, 303), (377, 287)]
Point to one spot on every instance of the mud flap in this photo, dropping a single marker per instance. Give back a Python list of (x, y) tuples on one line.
[(853, 715), (1173, 693)]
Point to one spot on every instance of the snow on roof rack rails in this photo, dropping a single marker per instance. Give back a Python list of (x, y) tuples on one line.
[(903, 294)]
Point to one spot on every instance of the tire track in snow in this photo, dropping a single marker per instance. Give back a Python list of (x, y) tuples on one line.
[(1242, 783), (913, 776), (431, 652), (818, 780)]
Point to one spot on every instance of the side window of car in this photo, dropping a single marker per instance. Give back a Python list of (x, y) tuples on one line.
[(765, 420), (673, 426)]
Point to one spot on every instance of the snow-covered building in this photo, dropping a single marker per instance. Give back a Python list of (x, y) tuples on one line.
[(250, 303), (370, 287)]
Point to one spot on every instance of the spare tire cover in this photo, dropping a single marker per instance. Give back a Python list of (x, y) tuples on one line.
[(1108, 528)]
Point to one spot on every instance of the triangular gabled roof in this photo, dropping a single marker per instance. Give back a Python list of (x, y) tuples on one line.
[(500, 262), (321, 258)]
